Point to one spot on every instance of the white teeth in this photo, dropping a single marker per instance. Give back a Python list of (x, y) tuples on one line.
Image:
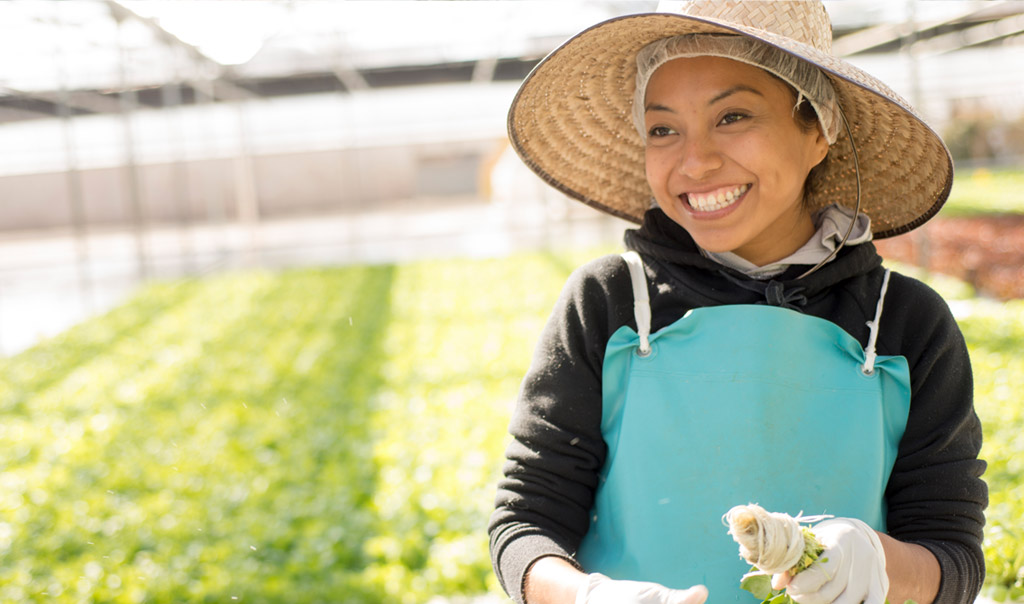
[(716, 200)]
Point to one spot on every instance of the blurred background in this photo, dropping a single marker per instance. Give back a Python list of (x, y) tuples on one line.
[(156, 139), (218, 219)]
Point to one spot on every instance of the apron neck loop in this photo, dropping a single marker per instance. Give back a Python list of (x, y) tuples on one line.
[(774, 292), (869, 358), (641, 300)]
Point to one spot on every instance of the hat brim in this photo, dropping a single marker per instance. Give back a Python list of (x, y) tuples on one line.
[(570, 122)]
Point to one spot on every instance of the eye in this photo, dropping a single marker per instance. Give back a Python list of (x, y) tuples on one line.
[(733, 117), (659, 132)]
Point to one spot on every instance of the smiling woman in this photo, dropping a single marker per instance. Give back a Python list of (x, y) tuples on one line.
[(684, 377), (726, 158)]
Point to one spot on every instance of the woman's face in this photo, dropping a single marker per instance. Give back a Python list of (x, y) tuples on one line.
[(726, 158)]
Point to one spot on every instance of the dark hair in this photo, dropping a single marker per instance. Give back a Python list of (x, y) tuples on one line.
[(805, 115), (807, 119)]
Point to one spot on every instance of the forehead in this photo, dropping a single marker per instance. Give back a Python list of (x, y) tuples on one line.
[(710, 74)]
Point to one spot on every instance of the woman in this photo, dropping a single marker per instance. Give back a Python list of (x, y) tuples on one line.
[(739, 351)]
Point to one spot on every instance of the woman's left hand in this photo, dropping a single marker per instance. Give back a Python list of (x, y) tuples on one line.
[(851, 570)]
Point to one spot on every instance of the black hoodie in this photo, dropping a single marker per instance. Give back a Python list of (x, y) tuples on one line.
[(935, 495)]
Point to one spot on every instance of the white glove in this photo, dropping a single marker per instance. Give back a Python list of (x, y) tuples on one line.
[(599, 589), (851, 570)]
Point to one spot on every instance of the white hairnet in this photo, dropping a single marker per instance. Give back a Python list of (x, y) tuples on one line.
[(809, 81)]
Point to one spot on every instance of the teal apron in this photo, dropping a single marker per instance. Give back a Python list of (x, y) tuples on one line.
[(732, 405)]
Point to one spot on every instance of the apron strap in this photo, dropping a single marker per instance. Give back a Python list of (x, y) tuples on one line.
[(869, 360), (642, 310), (641, 300)]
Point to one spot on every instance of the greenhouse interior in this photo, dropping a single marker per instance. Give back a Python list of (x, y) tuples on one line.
[(148, 139), (169, 166)]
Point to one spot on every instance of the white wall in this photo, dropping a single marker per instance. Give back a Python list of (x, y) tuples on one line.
[(314, 153)]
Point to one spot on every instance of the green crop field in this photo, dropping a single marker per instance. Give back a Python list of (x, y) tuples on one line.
[(995, 335), (321, 435), (983, 191)]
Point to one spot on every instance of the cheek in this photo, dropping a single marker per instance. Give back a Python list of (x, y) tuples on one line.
[(791, 169), (750, 153), (654, 167)]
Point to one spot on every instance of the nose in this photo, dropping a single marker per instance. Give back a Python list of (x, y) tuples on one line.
[(698, 158)]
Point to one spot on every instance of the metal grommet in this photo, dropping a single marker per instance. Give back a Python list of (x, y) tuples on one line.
[(641, 353)]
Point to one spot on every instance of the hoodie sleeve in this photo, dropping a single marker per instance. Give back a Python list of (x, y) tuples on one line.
[(556, 451), (936, 496)]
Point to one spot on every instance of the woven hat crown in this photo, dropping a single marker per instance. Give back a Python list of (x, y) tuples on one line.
[(800, 20)]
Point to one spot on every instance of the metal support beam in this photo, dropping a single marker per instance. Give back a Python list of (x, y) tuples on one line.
[(10, 114), (972, 36), (867, 39), (86, 100), (875, 36), (352, 79), (222, 88), (483, 71)]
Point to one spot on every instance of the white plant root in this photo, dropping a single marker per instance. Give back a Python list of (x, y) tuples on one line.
[(771, 541)]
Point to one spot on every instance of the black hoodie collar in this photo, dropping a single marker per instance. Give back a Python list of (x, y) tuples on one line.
[(663, 240)]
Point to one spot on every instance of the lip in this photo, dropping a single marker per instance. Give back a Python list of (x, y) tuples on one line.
[(713, 214)]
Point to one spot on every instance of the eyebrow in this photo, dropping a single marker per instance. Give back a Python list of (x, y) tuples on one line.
[(724, 94), (734, 90), (656, 107)]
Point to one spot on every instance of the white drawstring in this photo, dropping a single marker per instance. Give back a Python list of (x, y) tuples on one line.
[(641, 300), (869, 357)]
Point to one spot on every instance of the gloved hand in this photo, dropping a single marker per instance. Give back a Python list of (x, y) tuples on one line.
[(599, 589), (851, 570)]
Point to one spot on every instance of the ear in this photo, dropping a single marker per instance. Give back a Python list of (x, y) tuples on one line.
[(819, 148)]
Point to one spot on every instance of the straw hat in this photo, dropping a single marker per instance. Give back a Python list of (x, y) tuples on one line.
[(571, 120)]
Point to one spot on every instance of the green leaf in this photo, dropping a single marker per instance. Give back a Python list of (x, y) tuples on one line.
[(759, 585)]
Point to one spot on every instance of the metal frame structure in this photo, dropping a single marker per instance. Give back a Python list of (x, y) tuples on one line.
[(187, 78)]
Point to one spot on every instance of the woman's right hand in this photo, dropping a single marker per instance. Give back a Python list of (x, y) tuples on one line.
[(599, 589)]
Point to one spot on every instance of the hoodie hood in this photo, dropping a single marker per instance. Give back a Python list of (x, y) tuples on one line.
[(661, 239)]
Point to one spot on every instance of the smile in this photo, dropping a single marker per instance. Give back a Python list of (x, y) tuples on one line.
[(717, 199)]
